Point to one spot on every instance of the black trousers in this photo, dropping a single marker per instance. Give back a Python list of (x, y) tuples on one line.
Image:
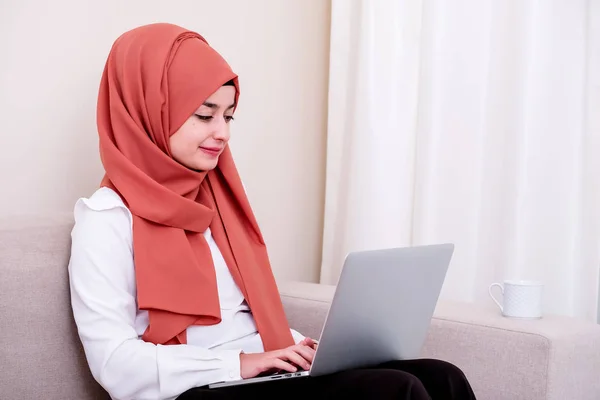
[(421, 379)]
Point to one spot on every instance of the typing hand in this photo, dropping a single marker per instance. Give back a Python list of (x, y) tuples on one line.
[(286, 360), (310, 343)]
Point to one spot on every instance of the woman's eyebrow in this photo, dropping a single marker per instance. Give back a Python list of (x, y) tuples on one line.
[(214, 106)]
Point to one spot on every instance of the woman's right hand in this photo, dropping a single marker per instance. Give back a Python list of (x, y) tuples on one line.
[(286, 359)]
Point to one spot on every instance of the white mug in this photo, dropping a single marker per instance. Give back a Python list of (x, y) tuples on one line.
[(520, 299)]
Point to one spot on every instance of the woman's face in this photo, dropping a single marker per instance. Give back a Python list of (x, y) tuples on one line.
[(199, 142)]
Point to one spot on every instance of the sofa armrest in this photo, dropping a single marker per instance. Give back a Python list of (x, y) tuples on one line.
[(553, 358)]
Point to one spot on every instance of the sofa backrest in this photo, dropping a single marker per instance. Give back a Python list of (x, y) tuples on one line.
[(41, 356)]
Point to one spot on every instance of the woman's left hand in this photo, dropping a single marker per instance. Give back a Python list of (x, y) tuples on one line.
[(309, 342)]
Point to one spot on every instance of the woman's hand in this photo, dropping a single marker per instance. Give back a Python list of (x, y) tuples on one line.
[(288, 359), (310, 343)]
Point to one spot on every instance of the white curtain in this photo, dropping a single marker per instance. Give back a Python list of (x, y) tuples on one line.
[(475, 122)]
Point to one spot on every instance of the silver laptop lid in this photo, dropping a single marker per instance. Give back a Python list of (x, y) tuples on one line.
[(382, 307)]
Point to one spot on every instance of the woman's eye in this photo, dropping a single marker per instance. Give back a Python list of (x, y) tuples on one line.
[(206, 118)]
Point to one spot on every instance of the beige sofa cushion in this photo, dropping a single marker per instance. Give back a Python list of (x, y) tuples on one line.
[(39, 348)]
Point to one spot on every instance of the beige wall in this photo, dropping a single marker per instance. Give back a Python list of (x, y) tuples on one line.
[(51, 57)]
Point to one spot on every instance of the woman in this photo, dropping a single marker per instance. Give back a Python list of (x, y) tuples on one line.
[(170, 281)]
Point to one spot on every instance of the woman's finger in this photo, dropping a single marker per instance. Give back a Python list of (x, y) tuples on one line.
[(291, 355), (306, 352), (279, 364), (310, 343)]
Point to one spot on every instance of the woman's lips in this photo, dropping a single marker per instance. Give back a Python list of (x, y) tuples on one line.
[(211, 151)]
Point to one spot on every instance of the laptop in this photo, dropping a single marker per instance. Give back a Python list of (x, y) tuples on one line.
[(381, 310)]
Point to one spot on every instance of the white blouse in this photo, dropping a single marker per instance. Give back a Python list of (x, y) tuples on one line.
[(110, 325)]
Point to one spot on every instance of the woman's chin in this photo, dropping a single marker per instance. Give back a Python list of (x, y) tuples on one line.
[(203, 165)]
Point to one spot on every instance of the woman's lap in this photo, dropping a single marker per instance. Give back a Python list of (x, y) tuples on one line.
[(441, 379), (410, 379)]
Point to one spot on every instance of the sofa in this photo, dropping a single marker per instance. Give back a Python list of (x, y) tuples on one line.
[(555, 358)]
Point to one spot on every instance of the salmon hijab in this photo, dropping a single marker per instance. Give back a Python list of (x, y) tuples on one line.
[(155, 78)]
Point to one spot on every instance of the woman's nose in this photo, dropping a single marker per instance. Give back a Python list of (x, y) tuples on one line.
[(221, 130)]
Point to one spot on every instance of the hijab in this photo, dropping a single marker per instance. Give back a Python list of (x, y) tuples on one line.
[(155, 78)]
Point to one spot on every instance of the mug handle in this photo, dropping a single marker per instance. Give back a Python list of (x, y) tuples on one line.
[(492, 295)]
